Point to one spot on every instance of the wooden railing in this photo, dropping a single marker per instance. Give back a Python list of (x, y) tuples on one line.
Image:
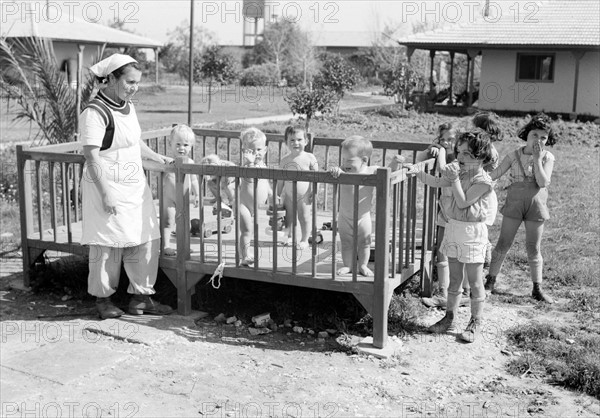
[(403, 214)]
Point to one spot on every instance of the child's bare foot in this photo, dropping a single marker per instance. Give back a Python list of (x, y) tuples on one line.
[(344, 270), (289, 242), (365, 271), (248, 261), (170, 252), (303, 245)]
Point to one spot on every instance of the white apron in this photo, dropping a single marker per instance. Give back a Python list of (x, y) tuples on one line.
[(135, 222)]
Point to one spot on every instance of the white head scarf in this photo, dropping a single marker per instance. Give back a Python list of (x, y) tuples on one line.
[(110, 64)]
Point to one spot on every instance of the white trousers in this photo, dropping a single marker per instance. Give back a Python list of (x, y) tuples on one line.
[(141, 266)]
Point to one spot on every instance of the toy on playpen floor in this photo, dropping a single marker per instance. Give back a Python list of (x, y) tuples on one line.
[(280, 220), (211, 227)]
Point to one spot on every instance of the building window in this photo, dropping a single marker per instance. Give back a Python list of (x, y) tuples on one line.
[(535, 67)]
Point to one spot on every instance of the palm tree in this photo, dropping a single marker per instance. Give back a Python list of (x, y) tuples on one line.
[(31, 77)]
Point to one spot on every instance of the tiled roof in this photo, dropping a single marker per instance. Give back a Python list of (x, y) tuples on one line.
[(543, 23), (75, 30)]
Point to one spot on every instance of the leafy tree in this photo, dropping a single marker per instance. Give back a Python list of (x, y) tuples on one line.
[(178, 48), (31, 76), (308, 102), (336, 74), (287, 46), (216, 67)]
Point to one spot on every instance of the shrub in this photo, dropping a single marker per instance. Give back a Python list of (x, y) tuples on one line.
[(337, 74), (259, 75)]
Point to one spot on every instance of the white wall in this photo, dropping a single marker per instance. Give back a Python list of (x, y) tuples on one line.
[(65, 51), (589, 84), (500, 91)]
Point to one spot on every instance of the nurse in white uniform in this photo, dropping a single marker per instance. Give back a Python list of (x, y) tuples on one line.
[(119, 219)]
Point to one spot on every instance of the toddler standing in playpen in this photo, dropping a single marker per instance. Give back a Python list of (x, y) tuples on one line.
[(356, 152), (466, 237), (300, 160), (254, 149), (530, 169), (181, 141)]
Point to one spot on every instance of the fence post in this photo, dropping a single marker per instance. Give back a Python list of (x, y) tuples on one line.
[(25, 209), (381, 288), (182, 205)]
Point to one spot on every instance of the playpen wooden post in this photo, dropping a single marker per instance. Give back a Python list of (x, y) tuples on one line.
[(382, 291), (182, 204), (26, 208)]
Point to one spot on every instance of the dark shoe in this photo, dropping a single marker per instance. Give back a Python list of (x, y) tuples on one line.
[(469, 333), (490, 282), (538, 294), (446, 324), (144, 304), (106, 309)]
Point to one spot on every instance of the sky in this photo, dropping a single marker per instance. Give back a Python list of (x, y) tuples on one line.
[(156, 18)]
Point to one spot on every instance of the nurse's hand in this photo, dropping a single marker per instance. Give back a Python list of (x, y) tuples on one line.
[(110, 206)]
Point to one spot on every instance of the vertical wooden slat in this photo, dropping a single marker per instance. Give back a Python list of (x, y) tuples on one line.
[(274, 225), (408, 219), (293, 224), (326, 184), (255, 221), (402, 239), (237, 220), (67, 202), (53, 209), (201, 221), (40, 200), (161, 219), (334, 232), (354, 262), (77, 181), (414, 220), (219, 226), (394, 228), (314, 228)]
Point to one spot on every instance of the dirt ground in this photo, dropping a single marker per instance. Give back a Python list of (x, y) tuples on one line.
[(58, 359)]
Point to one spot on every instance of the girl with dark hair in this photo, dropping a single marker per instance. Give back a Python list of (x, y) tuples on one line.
[(530, 169)]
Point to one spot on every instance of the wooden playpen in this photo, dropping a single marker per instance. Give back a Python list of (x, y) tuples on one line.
[(403, 216)]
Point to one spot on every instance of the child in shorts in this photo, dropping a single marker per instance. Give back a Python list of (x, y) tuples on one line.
[(489, 122), (254, 149), (297, 159), (181, 141), (466, 237), (530, 169), (356, 152)]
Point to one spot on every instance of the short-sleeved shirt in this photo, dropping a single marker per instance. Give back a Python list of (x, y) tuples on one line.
[(516, 174), (478, 211)]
